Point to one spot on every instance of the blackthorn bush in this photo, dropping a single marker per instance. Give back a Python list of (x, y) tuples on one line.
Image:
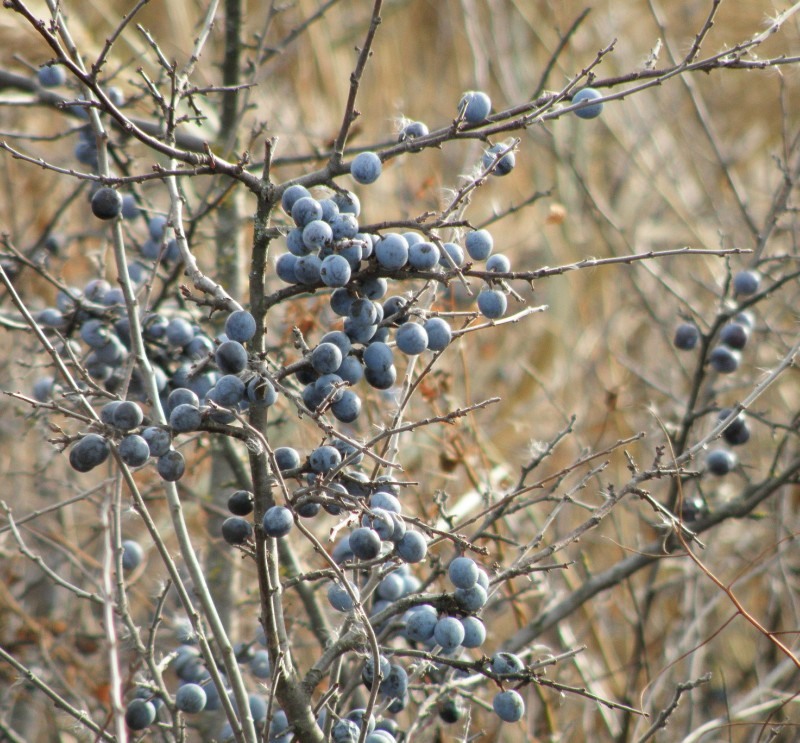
[(316, 430)]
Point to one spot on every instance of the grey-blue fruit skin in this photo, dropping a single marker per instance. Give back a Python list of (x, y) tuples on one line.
[(476, 106), (132, 554), (396, 683), (724, 360), (127, 415), (284, 267), (588, 111), (448, 633), (231, 357), (686, 336), (423, 256), (412, 547), (240, 502), (506, 663), (492, 303), (392, 251), (347, 408), (317, 234), (339, 598), (365, 543), (158, 440), (291, 195), (229, 390), (236, 530), (134, 450), (471, 599), (504, 165), (306, 209), (106, 203), (508, 706), (366, 168), (378, 356), (326, 358), (474, 632), (347, 202), (51, 76), (260, 665), (734, 335), (381, 379), (439, 333), (746, 282), (720, 462), (412, 130), (140, 714), (463, 572), (479, 244), (190, 698), (185, 418), (240, 326), (419, 625), (411, 339), (287, 458), (277, 521), (307, 269), (344, 226), (171, 466), (335, 271)]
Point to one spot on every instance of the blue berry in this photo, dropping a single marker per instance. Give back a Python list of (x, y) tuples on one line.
[(335, 270), (471, 599), (317, 234), (132, 554), (231, 357), (463, 572), (381, 379), (420, 623), (261, 393), (140, 714), (240, 502), (326, 358), (127, 415), (391, 587), (423, 255), (686, 336), (411, 339), (191, 698), (347, 408), (720, 462), (345, 227), (365, 543), (439, 333), (392, 251), (476, 106), (746, 282), (339, 598), (185, 418), (724, 360), (508, 706), (291, 195), (51, 76), (412, 547), (734, 335), (236, 530), (240, 326), (277, 521), (504, 165), (592, 110), (412, 130), (474, 632), (366, 168), (448, 633), (492, 303), (179, 332), (452, 252), (228, 391), (324, 458), (479, 244), (738, 430), (506, 663), (158, 440), (306, 209), (347, 202), (307, 269), (260, 665), (395, 684), (171, 466), (286, 458), (133, 450), (498, 263), (106, 203)]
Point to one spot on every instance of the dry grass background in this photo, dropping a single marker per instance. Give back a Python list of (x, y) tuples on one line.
[(642, 177)]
